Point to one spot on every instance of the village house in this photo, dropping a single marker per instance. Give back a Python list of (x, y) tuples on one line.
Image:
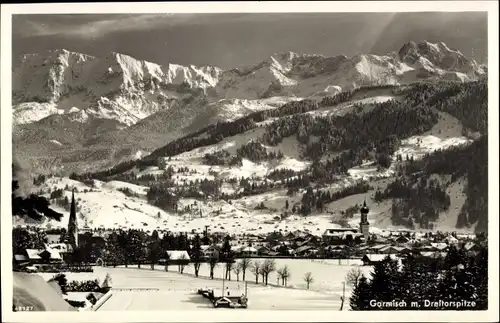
[(236, 249), (376, 248), (451, 240), (340, 236), (471, 247), (210, 251), (38, 258), (371, 259), (305, 251), (402, 239), (248, 252), (439, 246), (392, 250), (432, 254), (263, 251)]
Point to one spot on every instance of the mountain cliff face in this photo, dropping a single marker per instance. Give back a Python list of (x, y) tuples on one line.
[(113, 87)]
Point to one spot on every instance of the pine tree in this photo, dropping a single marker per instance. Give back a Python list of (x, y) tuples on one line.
[(361, 295), (385, 279), (196, 254), (154, 249), (480, 279)]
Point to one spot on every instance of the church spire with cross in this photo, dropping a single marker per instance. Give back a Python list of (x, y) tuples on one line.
[(364, 225), (73, 223)]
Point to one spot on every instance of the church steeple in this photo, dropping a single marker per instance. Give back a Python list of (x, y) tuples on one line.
[(364, 213), (73, 223), (364, 225)]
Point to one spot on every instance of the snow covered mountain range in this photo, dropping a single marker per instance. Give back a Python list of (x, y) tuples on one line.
[(106, 109), (127, 90)]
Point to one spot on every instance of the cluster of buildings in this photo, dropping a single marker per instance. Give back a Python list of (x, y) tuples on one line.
[(345, 243), (333, 243)]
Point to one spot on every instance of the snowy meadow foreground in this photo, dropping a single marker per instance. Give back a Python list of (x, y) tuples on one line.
[(137, 289)]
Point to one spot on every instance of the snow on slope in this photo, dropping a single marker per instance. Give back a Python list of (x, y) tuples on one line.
[(55, 142), (447, 221), (114, 86), (120, 87), (445, 134), (348, 107), (418, 146), (28, 112)]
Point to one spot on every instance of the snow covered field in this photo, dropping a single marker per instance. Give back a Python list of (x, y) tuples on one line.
[(328, 274), (173, 291)]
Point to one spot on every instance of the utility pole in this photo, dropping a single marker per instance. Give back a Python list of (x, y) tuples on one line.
[(223, 280), (343, 296)]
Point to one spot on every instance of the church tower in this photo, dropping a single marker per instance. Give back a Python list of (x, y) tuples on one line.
[(364, 225), (73, 224)]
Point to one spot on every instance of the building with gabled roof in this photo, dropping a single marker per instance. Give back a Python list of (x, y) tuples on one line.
[(371, 259)]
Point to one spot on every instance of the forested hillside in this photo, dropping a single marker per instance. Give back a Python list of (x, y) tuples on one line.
[(334, 143)]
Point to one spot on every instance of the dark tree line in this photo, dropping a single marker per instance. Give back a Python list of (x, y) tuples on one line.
[(221, 158), (255, 152), (379, 129), (468, 102), (281, 174), (416, 195), (458, 277), (317, 200), (161, 195), (415, 200)]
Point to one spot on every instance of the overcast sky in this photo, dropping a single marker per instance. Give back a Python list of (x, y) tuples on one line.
[(232, 40)]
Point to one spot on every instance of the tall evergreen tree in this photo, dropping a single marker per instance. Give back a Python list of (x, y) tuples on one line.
[(361, 295), (196, 254)]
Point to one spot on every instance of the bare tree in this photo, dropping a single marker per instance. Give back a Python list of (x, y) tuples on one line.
[(268, 267), (255, 269), (284, 273), (352, 277), (308, 278), (183, 264), (237, 270), (212, 262), (245, 263)]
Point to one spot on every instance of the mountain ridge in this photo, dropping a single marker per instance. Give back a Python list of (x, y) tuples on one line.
[(100, 85)]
